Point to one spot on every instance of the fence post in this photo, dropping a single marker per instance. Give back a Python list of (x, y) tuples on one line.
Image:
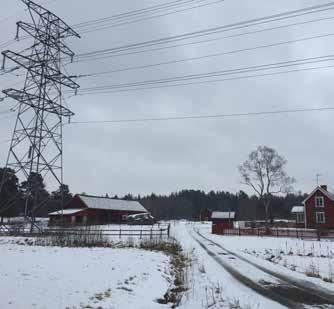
[(318, 234), (151, 234), (258, 232), (120, 233), (239, 231), (168, 230), (297, 233), (160, 233), (141, 234)]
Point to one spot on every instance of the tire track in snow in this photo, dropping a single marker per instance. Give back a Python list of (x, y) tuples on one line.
[(325, 295), (277, 289)]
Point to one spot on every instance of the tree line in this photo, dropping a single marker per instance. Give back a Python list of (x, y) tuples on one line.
[(189, 204), (185, 204), (21, 196), (263, 172)]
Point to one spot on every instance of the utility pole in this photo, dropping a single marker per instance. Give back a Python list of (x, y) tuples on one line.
[(36, 149)]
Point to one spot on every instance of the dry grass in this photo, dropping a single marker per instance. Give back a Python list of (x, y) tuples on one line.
[(313, 271)]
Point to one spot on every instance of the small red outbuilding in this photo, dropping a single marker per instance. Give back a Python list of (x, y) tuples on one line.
[(224, 219)]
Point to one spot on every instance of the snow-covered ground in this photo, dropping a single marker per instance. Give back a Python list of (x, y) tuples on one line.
[(291, 255), (210, 286), (52, 277)]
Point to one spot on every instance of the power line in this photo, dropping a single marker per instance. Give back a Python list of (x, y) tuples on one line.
[(208, 81), (278, 17), (112, 55), (212, 116), (241, 70), (128, 22), (150, 9), (205, 56), (209, 31)]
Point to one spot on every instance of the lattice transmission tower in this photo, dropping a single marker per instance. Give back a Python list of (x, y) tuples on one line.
[(36, 147)]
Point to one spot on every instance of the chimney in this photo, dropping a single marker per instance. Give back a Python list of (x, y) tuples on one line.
[(324, 187)]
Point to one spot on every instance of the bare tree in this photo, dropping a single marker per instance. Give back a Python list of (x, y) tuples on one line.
[(264, 173)]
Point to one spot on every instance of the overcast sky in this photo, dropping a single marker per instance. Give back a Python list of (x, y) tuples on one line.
[(163, 157)]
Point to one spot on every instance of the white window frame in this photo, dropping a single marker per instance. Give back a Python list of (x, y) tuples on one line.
[(299, 215), (319, 198), (316, 217)]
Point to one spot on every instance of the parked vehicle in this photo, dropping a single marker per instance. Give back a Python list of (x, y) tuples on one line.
[(144, 218)]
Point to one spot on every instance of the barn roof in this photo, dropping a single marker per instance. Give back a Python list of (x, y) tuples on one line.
[(223, 215), (297, 209), (96, 202), (65, 212)]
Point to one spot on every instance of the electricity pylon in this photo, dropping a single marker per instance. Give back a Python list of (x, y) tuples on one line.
[(36, 147)]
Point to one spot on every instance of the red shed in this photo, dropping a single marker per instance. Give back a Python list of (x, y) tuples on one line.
[(319, 209), (87, 209), (224, 219)]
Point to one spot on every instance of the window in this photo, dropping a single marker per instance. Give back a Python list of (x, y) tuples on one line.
[(300, 218), (319, 201), (320, 217)]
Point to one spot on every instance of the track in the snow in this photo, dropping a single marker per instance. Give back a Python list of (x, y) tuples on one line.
[(284, 290)]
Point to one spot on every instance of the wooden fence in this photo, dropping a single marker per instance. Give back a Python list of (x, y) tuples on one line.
[(141, 231), (275, 232)]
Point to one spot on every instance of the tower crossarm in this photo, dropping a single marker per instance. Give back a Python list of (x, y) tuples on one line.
[(33, 100), (35, 65), (43, 37), (64, 29)]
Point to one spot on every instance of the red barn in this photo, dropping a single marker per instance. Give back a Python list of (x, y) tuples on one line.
[(224, 219), (86, 209), (318, 209)]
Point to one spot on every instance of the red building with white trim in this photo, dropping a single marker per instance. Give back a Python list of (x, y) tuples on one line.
[(224, 219), (317, 211), (86, 209)]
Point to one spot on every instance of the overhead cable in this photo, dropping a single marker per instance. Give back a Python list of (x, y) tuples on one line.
[(212, 116), (240, 70), (132, 68), (204, 32), (130, 89)]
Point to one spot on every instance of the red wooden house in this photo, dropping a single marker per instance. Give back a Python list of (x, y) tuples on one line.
[(86, 209), (317, 210)]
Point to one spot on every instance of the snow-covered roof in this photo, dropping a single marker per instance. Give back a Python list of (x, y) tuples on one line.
[(223, 215), (322, 190), (297, 209), (65, 212), (107, 203)]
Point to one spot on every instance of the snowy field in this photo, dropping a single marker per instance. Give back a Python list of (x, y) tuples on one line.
[(312, 259), (105, 278), (54, 278)]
